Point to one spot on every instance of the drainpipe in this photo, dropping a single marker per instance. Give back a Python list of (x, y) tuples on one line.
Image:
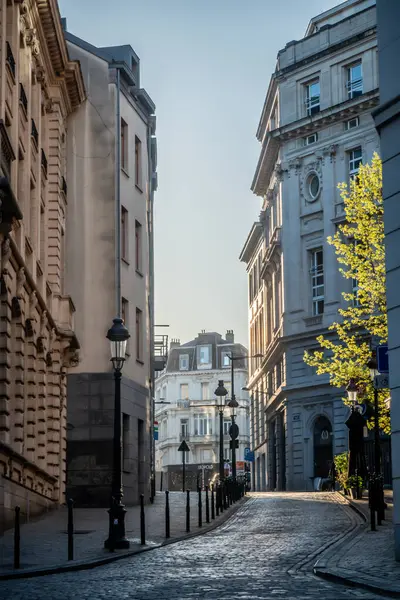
[(150, 231), (118, 200)]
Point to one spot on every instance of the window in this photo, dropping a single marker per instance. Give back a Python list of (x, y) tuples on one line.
[(202, 425), (313, 185), (124, 311), (184, 428), (139, 335), (312, 97), (317, 281), (138, 162), (227, 424), (205, 391), (184, 391), (352, 123), (311, 139), (62, 260), (138, 246), (227, 454), (225, 359), (183, 362), (203, 357), (355, 160), (354, 80), (124, 145), (124, 233)]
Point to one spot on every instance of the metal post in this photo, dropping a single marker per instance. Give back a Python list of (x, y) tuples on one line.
[(221, 498), (187, 511), (142, 522), (221, 446), (233, 420), (70, 530), (183, 469), (200, 510), (380, 502), (207, 506), (212, 503), (17, 538), (217, 500), (225, 493), (167, 530), (371, 502), (117, 511)]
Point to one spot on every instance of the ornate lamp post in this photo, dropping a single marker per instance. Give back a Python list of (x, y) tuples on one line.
[(221, 393), (118, 336), (373, 371)]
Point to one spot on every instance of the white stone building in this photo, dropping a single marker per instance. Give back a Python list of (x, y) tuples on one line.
[(315, 129), (187, 385)]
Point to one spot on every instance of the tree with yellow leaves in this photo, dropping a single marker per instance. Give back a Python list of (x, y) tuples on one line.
[(359, 246)]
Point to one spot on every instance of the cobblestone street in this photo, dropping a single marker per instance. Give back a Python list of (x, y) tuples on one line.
[(266, 550)]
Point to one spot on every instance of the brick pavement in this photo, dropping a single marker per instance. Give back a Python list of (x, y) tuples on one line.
[(265, 550), (44, 541), (367, 559)]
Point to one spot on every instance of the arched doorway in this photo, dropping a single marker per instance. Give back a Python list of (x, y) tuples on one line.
[(323, 451)]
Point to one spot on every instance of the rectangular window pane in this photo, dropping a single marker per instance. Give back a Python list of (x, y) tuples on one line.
[(355, 160), (139, 335), (184, 362), (204, 391), (138, 162), (124, 233), (124, 145), (313, 97), (354, 80), (138, 246), (184, 391), (317, 281)]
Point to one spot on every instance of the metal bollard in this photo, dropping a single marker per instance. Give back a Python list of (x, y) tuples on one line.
[(187, 511), (212, 503), (207, 506), (142, 522), (225, 494), (200, 511), (70, 529), (371, 502), (167, 514), (217, 500), (17, 538)]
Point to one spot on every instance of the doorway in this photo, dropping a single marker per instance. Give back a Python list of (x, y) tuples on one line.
[(323, 447)]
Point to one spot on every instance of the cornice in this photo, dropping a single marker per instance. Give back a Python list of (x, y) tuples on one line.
[(252, 241)]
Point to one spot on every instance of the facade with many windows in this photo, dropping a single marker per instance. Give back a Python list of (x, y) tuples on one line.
[(315, 130), (186, 409), (112, 155)]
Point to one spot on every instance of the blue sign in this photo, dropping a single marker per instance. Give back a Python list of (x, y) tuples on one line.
[(156, 435), (383, 359), (248, 455), (246, 452)]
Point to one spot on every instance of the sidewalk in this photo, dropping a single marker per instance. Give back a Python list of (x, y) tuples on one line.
[(366, 560), (44, 541)]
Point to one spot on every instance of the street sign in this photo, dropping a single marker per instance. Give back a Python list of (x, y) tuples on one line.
[(383, 359), (183, 447), (246, 452), (236, 442), (381, 382), (155, 431), (249, 456), (234, 431), (205, 467), (361, 408)]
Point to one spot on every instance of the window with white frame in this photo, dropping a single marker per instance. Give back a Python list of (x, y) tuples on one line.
[(183, 362), (312, 91), (317, 281), (202, 425), (311, 139), (354, 81), (355, 160), (205, 390), (352, 123), (227, 424), (204, 357), (184, 428), (184, 391), (225, 359)]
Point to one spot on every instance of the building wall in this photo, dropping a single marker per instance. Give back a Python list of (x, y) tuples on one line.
[(387, 119), (92, 256), (294, 224), (40, 88)]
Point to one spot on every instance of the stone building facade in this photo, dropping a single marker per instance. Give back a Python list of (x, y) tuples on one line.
[(40, 88), (315, 129), (112, 158), (187, 386)]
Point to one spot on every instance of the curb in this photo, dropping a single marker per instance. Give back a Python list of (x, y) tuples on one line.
[(91, 564), (356, 508), (354, 580)]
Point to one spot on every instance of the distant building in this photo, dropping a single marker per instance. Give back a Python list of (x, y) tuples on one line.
[(315, 130), (187, 387), (98, 174)]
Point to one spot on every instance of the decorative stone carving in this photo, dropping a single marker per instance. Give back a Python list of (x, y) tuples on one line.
[(32, 305), (331, 152), (49, 106), (295, 165), (311, 182), (5, 253), (43, 324), (279, 171), (21, 279), (71, 358)]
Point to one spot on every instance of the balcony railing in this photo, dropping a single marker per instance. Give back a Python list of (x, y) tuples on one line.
[(22, 97), (44, 162), (10, 59), (34, 132)]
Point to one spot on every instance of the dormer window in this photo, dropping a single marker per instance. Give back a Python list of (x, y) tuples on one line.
[(312, 90), (183, 362)]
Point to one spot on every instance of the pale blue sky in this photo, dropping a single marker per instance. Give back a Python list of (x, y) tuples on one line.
[(206, 64)]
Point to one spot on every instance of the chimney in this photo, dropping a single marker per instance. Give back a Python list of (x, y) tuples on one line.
[(174, 343), (230, 337)]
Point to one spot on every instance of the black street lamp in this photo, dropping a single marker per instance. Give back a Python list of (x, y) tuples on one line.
[(221, 393), (118, 336), (373, 371)]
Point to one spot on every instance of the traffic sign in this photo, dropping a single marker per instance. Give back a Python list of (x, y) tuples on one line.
[(234, 431), (383, 359), (361, 408), (183, 447), (155, 431), (246, 452), (236, 442), (381, 382), (249, 456)]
